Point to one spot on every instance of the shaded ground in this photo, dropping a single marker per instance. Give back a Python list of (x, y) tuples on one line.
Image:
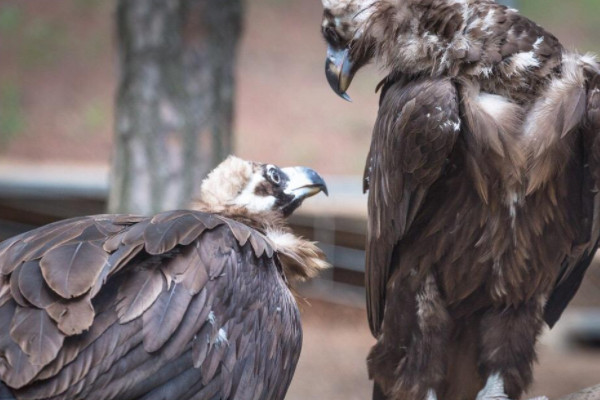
[(337, 339)]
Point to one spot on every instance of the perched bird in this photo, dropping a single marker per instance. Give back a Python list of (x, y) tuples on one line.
[(483, 177), (189, 304)]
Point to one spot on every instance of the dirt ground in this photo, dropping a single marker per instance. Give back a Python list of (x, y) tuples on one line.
[(337, 339)]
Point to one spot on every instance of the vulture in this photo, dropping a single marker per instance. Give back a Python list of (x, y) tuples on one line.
[(186, 304), (482, 179)]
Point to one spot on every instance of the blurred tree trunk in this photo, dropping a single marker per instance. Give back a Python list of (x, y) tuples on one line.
[(174, 106)]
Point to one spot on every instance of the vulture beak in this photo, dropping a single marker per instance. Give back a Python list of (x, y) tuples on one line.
[(339, 70), (302, 183)]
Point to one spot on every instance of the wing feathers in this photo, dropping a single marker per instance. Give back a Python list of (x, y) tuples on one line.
[(72, 269), (74, 316), (114, 263), (574, 267), (34, 246), (162, 236), (260, 245), (74, 346), (116, 298), (550, 121), (15, 290), (416, 129), (188, 268), (164, 316), (200, 345), (240, 231), (194, 318), (36, 334), (5, 294), (16, 369), (11, 255), (33, 287), (138, 293)]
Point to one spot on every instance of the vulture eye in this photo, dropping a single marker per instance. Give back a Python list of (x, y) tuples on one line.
[(273, 175)]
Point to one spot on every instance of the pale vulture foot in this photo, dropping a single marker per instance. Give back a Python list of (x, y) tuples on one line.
[(494, 390), (431, 395)]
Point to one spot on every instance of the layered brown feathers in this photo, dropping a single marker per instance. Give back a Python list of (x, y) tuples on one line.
[(483, 181), (185, 304), (507, 53)]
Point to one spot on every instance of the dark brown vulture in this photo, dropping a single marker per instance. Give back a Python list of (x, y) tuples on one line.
[(190, 304), (483, 178)]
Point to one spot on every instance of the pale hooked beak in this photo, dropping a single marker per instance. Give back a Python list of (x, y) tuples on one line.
[(339, 70), (302, 183)]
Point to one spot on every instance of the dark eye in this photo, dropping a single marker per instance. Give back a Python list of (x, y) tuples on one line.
[(274, 176)]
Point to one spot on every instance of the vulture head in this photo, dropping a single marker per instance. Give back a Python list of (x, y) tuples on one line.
[(349, 44), (238, 186), (262, 196), (404, 36), (412, 38)]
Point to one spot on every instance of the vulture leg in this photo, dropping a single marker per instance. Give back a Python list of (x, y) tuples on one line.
[(494, 390), (411, 363), (431, 395), (502, 331)]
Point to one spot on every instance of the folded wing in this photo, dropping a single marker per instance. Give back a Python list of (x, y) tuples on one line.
[(185, 303)]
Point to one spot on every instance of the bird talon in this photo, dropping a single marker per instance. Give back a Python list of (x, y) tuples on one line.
[(431, 395), (494, 397), (493, 389)]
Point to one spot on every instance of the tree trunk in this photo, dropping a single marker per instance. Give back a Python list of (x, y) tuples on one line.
[(174, 106)]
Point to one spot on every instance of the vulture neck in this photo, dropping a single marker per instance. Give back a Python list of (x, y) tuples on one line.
[(262, 221), (481, 40), (300, 259)]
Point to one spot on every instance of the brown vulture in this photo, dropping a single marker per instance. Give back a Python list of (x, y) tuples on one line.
[(483, 178), (189, 304)]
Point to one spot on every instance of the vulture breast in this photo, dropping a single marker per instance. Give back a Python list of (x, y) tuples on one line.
[(178, 306)]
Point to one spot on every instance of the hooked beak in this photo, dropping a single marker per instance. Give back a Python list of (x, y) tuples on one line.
[(339, 70), (302, 183)]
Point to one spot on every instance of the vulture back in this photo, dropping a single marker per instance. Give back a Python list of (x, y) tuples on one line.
[(181, 305)]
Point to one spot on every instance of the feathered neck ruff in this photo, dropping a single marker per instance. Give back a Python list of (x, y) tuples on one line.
[(300, 259), (481, 40)]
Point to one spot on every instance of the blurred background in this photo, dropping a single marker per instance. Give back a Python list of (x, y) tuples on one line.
[(86, 85)]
